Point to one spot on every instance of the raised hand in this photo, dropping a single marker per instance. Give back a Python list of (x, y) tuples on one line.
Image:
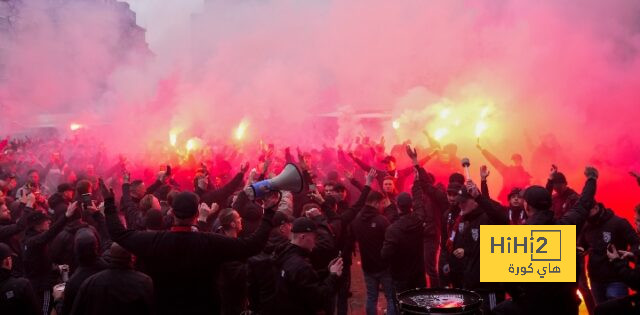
[(244, 167), (370, 177), (413, 155), (71, 209), (335, 266), (553, 171), (484, 172)]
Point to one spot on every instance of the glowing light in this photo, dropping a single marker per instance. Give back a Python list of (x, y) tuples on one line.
[(395, 124), (445, 113), (481, 127), (485, 112), (75, 126), (193, 144), (173, 138), (241, 130), (457, 122), (440, 133)]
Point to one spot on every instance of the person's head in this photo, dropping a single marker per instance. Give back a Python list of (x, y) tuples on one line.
[(465, 201), (148, 202), (185, 208), (67, 191), (374, 199), (84, 187), (282, 224), (390, 162), (559, 182), (5, 214), (517, 159), (452, 193), (33, 177), (153, 220), (515, 198), (389, 185), (230, 221), (335, 190), (6, 257), (596, 210), (304, 233), (39, 222), (8, 182), (536, 198), (85, 246), (404, 202), (138, 189), (120, 256)]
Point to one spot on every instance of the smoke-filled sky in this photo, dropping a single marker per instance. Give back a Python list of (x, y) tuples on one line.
[(558, 81)]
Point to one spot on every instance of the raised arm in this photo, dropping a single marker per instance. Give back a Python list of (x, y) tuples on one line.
[(495, 162), (579, 212)]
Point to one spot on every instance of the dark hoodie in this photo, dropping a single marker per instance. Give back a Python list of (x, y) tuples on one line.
[(37, 258), (62, 247), (368, 229), (554, 298), (563, 202), (86, 248), (306, 291), (403, 245), (117, 290), (601, 230)]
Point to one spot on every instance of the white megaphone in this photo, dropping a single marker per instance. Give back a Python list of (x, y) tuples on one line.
[(290, 179)]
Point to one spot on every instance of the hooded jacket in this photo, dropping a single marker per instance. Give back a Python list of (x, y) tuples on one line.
[(116, 290), (403, 245), (62, 246), (306, 291), (86, 248), (468, 238), (368, 229), (37, 257), (606, 228), (16, 295), (559, 298)]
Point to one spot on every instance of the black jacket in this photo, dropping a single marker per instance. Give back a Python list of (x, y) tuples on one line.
[(62, 245), (605, 229), (306, 291), (58, 205), (554, 298), (250, 212), (86, 247), (184, 264), (130, 206), (368, 228), (403, 245), (221, 195), (117, 290), (16, 295), (468, 238), (11, 234), (38, 264), (630, 277)]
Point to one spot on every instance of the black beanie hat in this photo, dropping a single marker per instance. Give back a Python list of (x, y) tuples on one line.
[(303, 225), (185, 205), (456, 178), (404, 202), (64, 187), (559, 178), (538, 197)]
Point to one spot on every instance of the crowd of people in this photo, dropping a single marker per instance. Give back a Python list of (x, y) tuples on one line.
[(81, 236)]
